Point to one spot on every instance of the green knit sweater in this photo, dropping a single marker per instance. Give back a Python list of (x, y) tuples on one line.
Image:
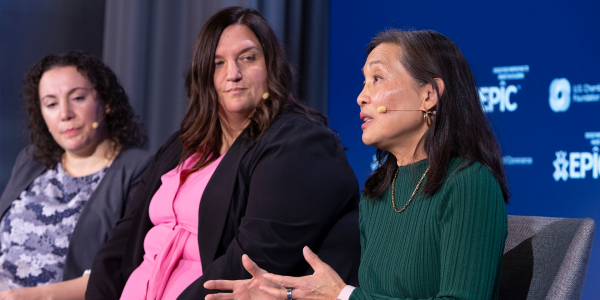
[(447, 246)]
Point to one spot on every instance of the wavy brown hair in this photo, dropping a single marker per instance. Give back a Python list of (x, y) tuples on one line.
[(460, 127), (201, 128), (123, 126)]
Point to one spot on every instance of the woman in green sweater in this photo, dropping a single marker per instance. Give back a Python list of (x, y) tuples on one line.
[(432, 216)]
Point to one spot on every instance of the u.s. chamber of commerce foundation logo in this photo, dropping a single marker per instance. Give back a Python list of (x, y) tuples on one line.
[(491, 96), (576, 165), (562, 93)]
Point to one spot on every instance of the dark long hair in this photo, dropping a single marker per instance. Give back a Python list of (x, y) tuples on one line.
[(123, 126), (200, 128), (460, 127)]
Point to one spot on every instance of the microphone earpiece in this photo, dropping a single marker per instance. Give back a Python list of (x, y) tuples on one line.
[(383, 109), (96, 124)]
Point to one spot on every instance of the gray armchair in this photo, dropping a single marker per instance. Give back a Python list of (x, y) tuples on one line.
[(545, 258)]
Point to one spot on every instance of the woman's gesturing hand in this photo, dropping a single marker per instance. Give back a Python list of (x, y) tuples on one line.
[(324, 284), (242, 289)]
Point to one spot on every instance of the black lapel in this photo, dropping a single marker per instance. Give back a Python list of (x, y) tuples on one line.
[(24, 177), (214, 205), (167, 161)]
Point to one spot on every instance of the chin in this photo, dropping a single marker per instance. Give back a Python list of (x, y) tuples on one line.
[(73, 146), (369, 142), (241, 110)]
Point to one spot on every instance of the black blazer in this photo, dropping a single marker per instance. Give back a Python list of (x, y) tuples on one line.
[(268, 199), (100, 214)]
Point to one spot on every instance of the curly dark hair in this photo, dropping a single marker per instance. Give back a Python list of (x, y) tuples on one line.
[(123, 126)]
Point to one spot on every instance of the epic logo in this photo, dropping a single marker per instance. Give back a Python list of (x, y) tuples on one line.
[(500, 95), (560, 95), (492, 95), (576, 166)]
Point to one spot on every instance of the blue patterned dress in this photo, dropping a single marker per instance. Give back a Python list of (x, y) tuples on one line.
[(36, 230)]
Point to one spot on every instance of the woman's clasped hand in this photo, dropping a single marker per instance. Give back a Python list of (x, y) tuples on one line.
[(323, 284), (241, 289)]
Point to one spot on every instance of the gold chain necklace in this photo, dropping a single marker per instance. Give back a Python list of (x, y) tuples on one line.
[(413, 194), (63, 160)]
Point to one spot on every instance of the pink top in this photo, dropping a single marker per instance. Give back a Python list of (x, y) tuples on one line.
[(172, 258)]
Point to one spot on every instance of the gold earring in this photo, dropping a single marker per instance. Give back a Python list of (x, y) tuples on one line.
[(95, 125), (266, 96), (428, 116)]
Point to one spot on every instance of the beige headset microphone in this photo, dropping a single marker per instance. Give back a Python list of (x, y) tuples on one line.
[(427, 115), (96, 124), (383, 109)]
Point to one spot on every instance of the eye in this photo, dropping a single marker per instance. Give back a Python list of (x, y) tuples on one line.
[(376, 78), (51, 105), (218, 63), (79, 98), (249, 58), (363, 83)]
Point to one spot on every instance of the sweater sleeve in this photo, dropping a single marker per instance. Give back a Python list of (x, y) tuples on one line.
[(473, 228)]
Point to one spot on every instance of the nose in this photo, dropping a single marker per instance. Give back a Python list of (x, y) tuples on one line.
[(363, 98), (66, 112), (233, 72)]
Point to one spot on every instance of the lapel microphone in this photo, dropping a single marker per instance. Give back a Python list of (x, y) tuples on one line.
[(383, 109)]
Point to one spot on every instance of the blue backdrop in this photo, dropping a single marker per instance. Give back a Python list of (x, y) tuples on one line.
[(538, 70)]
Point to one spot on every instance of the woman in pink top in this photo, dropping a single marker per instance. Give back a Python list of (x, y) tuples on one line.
[(172, 260), (252, 171)]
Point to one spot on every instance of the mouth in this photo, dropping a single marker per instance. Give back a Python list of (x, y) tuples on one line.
[(71, 131), (366, 120), (235, 90)]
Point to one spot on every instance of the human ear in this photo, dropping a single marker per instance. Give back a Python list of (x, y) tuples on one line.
[(430, 96)]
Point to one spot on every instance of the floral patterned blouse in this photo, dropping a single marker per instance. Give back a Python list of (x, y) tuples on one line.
[(35, 231)]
